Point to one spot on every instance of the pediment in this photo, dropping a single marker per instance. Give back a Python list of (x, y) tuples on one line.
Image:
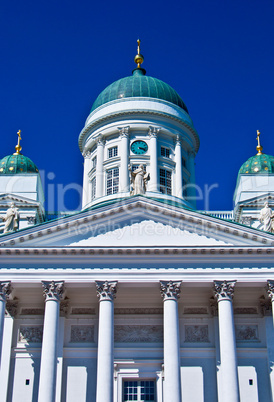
[(137, 221), (6, 199)]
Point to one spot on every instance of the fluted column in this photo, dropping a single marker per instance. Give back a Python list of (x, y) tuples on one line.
[(105, 358), (154, 182), (99, 167), (224, 291), (178, 172), (86, 196), (5, 290), (53, 292), (172, 385), (124, 154)]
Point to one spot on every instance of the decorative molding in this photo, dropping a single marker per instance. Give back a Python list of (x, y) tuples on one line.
[(138, 333), (153, 131), (53, 290), (247, 220), (170, 290), (106, 290), (32, 311), (5, 290), (87, 154), (245, 310), (31, 334), (246, 332), (12, 307), (137, 310), (196, 333), (82, 333), (124, 131), (31, 220), (177, 140), (213, 306), (224, 290), (82, 311), (195, 310)]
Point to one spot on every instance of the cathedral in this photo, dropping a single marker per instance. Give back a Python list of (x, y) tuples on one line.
[(139, 296)]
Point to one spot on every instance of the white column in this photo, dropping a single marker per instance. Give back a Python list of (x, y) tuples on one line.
[(224, 291), (153, 184), (99, 167), (47, 382), (105, 358), (178, 169), (124, 155), (191, 188), (86, 194), (5, 290), (270, 332), (172, 383)]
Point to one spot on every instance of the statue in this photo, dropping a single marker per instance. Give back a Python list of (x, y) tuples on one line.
[(266, 217), (139, 179), (11, 219)]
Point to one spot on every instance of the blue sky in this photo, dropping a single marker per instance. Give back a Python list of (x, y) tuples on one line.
[(57, 56)]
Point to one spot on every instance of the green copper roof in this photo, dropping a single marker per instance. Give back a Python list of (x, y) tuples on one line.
[(139, 85), (16, 164), (258, 164)]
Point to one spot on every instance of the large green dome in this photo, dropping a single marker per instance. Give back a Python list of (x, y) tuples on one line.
[(139, 85), (16, 164), (258, 164)]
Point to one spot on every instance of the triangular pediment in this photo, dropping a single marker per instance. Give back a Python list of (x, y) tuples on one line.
[(6, 199), (137, 221)]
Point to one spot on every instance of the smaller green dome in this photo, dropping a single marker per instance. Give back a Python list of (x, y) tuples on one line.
[(258, 164), (17, 164)]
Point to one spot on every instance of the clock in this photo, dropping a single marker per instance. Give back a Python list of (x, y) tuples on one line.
[(139, 147)]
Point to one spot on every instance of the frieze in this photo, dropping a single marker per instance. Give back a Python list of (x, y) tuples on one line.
[(32, 311), (136, 310), (82, 311), (196, 333), (138, 333), (31, 334), (195, 310), (245, 310), (82, 333), (246, 332)]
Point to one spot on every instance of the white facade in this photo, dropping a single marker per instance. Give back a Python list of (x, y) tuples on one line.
[(137, 297)]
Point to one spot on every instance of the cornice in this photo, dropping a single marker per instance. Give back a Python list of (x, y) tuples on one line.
[(101, 120)]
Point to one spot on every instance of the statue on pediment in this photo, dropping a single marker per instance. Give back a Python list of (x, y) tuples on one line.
[(139, 179), (11, 219), (266, 217)]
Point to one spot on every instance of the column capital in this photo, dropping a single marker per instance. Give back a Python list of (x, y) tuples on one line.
[(124, 131), (224, 290), (53, 290), (270, 289), (106, 290), (177, 140), (170, 290), (86, 154), (5, 290), (153, 131), (100, 141)]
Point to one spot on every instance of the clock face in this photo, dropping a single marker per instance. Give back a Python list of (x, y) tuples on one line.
[(139, 147)]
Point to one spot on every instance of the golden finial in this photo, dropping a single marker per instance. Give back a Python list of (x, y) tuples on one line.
[(259, 147), (18, 146), (138, 58)]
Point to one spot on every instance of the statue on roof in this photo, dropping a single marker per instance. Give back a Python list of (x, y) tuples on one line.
[(266, 217), (139, 179), (11, 219)]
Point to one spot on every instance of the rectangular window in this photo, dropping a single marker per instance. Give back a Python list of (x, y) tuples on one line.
[(93, 188), (183, 162), (165, 181), (94, 162), (112, 152), (140, 391), (112, 181), (165, 152)]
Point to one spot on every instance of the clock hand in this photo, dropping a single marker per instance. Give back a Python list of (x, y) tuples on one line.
[(142, 149)]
